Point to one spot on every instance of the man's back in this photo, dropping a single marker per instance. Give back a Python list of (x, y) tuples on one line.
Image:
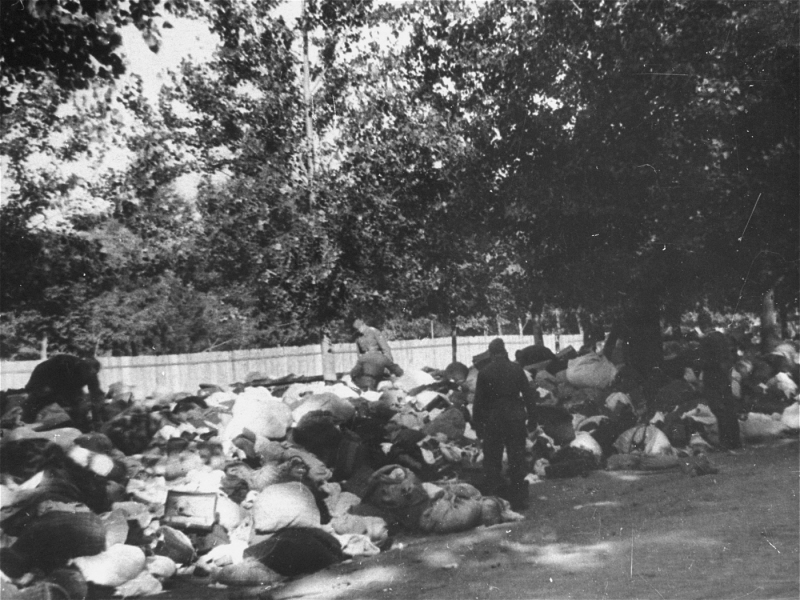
[(501, 379)]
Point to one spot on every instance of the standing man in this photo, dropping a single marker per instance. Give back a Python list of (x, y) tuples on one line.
[(717, 353), (504, 402), (370, 338)]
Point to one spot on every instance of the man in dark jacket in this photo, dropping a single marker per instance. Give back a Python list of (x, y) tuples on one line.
[(717, 356), (504, 402), (61, 379), (371, 368)]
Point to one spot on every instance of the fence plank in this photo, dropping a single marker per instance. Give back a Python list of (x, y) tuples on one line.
[(185, 372)]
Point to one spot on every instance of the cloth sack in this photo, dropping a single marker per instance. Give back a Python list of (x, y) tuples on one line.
[(451, 423), (174, 544), (341, 409), (585, 441), (617, 400), (285, 505), (791, 416), (450, 513), (591, 370), (354, 545), (758, 426), (296, 394), (297, 550), (412, 379), (144, 584), (496, 510), (113, 567), (51, 540), (373, 527), (393, 487), (248, 573), (161, 567), (260, 413), (646, 439)]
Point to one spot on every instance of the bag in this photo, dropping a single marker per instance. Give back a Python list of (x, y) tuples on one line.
[(585, 441), (260, 413), (791, 417), (373, 527), (174, 544), (450, 513), (144, 584), (591, 370), (618, 399), (342, 410), (496, 510), (645, 439), (297, 550), (248, 573), (451, 423), (285, 505), (393, 487), (758, 426), (112, 568), (52, 539)]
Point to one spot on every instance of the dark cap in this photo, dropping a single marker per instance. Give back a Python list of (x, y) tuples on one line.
[(496, 346)]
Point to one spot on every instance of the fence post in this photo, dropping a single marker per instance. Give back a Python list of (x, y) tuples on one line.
[(328, 361)]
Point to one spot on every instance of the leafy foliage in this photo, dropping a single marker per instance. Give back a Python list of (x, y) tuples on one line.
[(475, 163)]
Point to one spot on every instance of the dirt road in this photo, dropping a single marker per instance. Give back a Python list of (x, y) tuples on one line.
[(733, 535)]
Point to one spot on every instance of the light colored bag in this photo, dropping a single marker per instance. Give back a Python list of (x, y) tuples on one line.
[(591, 370), (644, 439), (285, 505), (450, 513)]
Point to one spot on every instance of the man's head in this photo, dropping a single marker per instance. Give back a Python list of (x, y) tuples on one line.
[(497, 347), (359, 325)]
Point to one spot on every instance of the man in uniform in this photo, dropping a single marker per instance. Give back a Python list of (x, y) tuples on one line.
[(370, 338), (372, 368), (504, 402)]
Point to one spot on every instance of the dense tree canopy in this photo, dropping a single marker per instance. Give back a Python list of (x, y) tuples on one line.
[(473, 163)]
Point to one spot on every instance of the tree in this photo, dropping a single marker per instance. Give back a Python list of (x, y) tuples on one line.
[(73, 42), (621, 177)]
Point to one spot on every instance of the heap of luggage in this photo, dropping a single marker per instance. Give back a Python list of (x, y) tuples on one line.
[(261, 481)]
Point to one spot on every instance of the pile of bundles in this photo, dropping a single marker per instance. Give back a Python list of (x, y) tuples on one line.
[(241, 487), (594, 413)]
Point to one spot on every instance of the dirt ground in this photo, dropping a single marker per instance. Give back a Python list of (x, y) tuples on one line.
[(661, 535)]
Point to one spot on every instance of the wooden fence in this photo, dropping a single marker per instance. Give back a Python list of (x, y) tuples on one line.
[(185, 372)]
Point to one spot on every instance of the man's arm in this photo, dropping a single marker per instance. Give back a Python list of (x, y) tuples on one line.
[(479, 406), (384, 345), (395, 369), (357, 370)]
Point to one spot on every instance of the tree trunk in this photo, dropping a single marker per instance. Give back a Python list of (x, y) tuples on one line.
[(558, 329), (454, 340), (643, 327), (43, 348), (538, 333), (499, 321), (309, 122)]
